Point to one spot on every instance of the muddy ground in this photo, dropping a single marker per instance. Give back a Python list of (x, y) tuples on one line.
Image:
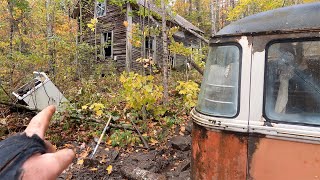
[(168, 161)]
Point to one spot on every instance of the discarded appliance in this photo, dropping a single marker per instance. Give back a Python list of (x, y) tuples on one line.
[(40, 93)]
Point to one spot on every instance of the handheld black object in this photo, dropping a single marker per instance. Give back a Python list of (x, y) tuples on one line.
[(14, 151)]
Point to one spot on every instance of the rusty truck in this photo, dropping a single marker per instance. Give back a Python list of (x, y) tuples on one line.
[(258, 112)]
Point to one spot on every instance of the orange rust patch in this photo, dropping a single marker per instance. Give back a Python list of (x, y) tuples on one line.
[(278, 160), (218, 155)]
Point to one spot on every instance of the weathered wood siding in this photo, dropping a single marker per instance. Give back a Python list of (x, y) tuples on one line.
[(136, 51), (112, 21)]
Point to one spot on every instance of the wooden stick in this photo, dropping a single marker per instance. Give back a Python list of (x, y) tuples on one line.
[(98, 121), (99, 141), (141, 137), (6, 92), (18, 106)]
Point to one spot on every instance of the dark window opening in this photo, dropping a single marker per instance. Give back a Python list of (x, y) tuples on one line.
[(107, 44), (172, 61), (149, 46)]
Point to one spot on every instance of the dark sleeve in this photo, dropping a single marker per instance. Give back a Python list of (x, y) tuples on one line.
[(14, 151)]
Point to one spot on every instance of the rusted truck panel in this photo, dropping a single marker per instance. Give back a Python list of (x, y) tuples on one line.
[(224, 155), (218, 155), (280, 159)]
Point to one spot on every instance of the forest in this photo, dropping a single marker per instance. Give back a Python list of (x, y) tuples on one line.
[(133, 65)]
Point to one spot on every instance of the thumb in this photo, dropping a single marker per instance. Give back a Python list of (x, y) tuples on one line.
[(47, 166), (63, 159)]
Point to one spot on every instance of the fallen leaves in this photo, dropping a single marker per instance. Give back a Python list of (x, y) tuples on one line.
[(153, 142), (80, 162), (125, 23), (3, 121), (83, 155), (109, 169), (93, 169)]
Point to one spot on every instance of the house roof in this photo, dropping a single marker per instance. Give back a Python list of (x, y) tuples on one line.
[(175, 17), (297, 17)]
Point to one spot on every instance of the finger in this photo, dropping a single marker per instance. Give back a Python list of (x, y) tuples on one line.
[(39, 124), (49, 147), (64, 159)]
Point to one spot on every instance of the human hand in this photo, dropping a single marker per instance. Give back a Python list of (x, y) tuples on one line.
[(50, 165)]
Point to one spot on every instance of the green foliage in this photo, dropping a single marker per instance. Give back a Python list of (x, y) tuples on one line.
[(198, 56), (92, 24), (121, 3), (137, 35), (96, 108), (124, 138), (141, 91), (87, 93), (190, 91), (249, 7), (179, 48), (198, 12), (170, 121)]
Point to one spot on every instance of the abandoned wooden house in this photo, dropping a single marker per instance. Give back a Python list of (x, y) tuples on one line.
[(114, 32)]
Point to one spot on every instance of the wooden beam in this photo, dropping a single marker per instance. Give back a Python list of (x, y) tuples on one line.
[(198, 36), (195, 66)]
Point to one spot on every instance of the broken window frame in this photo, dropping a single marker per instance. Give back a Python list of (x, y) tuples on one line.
[(104, 44), (99, 7), (270, 114), (150, 40), (203, 96)]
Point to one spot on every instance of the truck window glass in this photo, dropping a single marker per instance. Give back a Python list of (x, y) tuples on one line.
[(219, 92), (292, 89)]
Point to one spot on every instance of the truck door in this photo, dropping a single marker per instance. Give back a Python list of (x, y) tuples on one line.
[(284, 120)]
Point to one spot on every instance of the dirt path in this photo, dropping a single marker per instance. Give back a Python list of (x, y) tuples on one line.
[(166, 161)]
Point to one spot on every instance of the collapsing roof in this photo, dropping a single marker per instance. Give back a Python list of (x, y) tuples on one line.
[(176, 18), (296, 17)]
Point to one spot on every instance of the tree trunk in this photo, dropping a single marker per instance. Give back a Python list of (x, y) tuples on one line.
[(50, 37), (128, 38), (11, 35), (195, 66), (198, 8), (80, 22), (165, 52), (95, 37), (190, 7), (213, 17)]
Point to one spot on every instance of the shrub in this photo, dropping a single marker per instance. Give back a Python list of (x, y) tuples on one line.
[(141, 92), (189, 90)]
